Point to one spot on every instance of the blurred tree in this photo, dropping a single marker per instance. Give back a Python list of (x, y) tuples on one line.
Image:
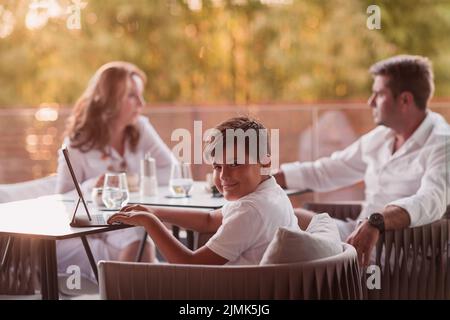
[(419, 27), (225, 51)]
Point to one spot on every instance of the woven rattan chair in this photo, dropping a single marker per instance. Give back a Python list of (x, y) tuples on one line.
[(335, 277), (418, 265)]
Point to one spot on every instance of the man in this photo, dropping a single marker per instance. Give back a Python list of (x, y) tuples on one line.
[(403, 161)]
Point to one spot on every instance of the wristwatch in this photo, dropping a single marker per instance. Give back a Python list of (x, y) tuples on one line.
[(376, 220)]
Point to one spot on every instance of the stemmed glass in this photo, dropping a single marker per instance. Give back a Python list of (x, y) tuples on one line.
[(115, 190), (181, 182)]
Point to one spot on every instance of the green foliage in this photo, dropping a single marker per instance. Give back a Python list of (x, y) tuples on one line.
[(237, 52)]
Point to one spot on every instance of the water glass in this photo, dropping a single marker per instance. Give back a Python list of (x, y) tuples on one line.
[(115, 190), (181, 182)]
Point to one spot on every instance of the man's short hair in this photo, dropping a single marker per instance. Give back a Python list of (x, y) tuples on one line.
[(408, 73), (231, 128)]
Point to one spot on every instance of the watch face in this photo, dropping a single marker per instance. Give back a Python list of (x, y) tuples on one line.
[(377, 220), (376, 217)]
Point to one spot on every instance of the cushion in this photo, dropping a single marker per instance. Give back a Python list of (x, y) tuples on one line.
[(320, 240)]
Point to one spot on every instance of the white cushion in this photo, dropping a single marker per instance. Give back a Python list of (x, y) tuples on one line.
[(320, 240)]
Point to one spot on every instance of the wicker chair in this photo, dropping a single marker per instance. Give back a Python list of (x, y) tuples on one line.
[(18, 267), (418, 265), (335, 277)]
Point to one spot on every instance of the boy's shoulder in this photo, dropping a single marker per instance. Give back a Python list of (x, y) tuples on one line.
[(262, 196), (240, 204), (267, 187)]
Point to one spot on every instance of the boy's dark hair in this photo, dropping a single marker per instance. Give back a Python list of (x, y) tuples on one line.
[(245, 124), (408, 73)]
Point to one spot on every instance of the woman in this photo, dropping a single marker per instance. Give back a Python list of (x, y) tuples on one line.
[(106, 133)]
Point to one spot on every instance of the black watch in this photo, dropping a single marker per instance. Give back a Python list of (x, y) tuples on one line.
[(376, 220)]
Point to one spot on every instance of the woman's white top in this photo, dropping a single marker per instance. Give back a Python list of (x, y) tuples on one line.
[(88, 166)]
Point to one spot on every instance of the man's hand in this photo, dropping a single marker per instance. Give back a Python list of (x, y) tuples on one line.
[(364, 239), (280, 178)]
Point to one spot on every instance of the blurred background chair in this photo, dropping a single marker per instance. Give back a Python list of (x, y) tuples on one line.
[(19, 268), (418, 257), (19, 262), (336, 277)]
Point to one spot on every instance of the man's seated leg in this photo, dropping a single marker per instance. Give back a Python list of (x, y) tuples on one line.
[(345, 227)]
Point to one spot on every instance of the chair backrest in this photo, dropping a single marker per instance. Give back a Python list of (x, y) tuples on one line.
[(336, 210), (335, 277)]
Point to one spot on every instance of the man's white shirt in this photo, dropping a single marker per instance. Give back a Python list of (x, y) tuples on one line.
[(415, 177)]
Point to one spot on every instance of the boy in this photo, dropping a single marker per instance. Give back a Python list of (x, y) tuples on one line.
[(244, 227)]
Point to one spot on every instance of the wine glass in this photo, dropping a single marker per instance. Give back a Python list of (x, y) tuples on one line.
[(181, 182), (115, 190)]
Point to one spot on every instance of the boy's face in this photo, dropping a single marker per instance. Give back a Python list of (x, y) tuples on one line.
[(236, 180)]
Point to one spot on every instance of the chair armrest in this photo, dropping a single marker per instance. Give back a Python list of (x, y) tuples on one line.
[(413, 263), (338, 210), (429, 241)]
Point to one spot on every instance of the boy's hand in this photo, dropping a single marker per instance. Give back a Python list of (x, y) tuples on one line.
[(135, 207), (133, 218)]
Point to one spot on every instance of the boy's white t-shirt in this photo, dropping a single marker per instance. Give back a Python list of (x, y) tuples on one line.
[(250, 223)]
